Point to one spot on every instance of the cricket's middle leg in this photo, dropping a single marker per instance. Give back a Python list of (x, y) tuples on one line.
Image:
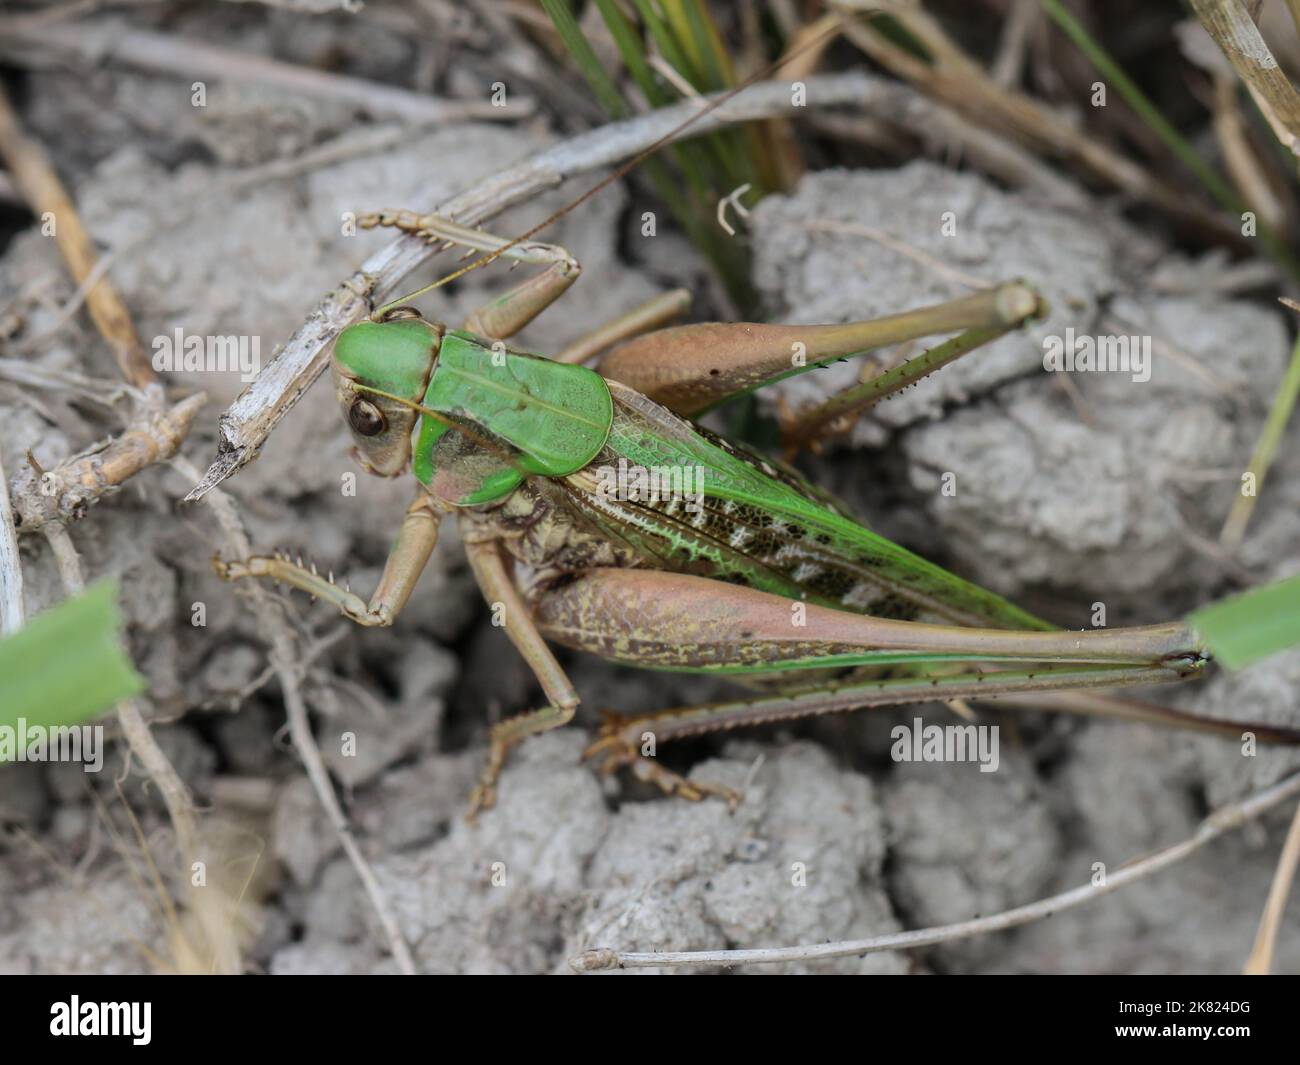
[(499, 590)]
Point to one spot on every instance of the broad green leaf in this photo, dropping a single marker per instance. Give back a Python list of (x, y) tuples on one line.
[(66, 664), (1245, 628)]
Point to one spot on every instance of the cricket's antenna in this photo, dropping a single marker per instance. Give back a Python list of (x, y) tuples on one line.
[(622, 171)]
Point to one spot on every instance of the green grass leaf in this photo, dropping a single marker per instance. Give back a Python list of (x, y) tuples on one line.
[(1245, 628), (708, 164), (597, 77), (67, 664)]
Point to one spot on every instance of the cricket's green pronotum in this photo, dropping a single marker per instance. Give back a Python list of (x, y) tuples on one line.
[(754, 572)]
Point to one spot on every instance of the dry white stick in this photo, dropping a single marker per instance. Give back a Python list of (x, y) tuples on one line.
[(11, 570), (1230, 24), (1260, 962), (248, 422), (192, 60), (1222, 820), (276, 633)]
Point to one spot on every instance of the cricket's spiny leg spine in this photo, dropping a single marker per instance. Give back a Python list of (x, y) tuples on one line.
[(415, 543)]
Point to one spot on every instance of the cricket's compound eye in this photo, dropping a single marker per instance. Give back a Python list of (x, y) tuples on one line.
[(366, 419), (381, 372)]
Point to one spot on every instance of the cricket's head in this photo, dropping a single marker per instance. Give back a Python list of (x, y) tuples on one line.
[(377, 365)]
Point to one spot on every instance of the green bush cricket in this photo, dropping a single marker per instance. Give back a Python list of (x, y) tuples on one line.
[(741, 568)]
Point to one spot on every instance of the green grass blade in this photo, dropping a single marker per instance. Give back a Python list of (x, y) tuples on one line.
[(1245, 628), (696, 28), (561, 12), (668, 44), (1270, 438), (739, 151), (704, 163), (632, 49), (67, 663)]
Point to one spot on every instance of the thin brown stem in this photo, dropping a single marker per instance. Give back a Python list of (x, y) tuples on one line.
[(1260, 962), (35, 177)]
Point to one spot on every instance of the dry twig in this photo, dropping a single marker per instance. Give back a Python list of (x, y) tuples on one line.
[(1230, 24), (44, 192), (64, 494), (11, 570)]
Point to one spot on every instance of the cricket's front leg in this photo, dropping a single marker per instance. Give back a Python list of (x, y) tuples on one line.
[(415, 543), (513, 309), (499, 590)]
